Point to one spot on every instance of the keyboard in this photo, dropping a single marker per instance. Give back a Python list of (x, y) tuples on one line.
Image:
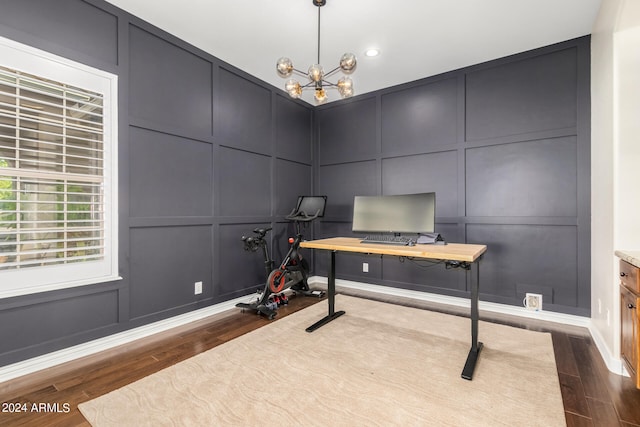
[(388, 240)]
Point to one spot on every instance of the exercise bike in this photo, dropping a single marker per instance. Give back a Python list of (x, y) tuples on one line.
[(292, 273)]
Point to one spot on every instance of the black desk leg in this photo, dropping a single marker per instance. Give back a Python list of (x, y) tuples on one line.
[(470, 365), (331, 297)]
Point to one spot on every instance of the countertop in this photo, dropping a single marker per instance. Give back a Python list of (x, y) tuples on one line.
[(632, 257)]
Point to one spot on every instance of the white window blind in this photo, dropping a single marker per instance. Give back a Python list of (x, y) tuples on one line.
[(51, 172), (57, 174)]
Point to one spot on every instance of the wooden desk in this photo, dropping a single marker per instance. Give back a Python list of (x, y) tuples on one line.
[(455, 255)]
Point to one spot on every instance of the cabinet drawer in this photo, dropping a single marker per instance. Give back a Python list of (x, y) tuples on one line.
[(629, 276)]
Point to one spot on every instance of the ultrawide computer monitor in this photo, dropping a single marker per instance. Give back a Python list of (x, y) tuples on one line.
[(407, 213)]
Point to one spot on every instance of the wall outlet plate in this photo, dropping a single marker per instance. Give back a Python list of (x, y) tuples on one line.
[(533, 302), (197, 288)]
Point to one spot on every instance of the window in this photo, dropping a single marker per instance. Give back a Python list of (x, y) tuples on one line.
[(58, 207)]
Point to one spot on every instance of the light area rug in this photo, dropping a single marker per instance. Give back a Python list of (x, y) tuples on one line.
[(377, 365)]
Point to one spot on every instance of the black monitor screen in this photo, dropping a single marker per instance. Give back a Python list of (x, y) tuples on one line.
[(408, 213), (311, 205)]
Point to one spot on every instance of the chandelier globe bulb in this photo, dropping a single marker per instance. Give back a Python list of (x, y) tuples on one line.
[(293, 88), (320, 95), (316, 73), (348, 63), (284, 67), (345, 87)]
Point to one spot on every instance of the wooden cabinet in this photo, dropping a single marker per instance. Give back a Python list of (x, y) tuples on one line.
[(629, 303)]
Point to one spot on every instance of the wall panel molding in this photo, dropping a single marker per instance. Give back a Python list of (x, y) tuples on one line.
[(200, 154), (505, 146)]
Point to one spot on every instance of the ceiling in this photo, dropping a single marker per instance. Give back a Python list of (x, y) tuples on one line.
[(416, 38)]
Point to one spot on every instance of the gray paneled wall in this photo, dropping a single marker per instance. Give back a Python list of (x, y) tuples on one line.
[(206, 154), (505, 145)]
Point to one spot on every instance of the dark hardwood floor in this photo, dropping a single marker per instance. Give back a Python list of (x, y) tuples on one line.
[(592, 395)]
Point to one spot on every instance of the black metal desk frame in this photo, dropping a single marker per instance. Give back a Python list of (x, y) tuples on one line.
[(476, 346)]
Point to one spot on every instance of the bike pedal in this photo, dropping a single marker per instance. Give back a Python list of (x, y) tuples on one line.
[(271, 305), (283, 299)]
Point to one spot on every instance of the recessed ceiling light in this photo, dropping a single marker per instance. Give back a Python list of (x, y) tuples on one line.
[(372, 52)]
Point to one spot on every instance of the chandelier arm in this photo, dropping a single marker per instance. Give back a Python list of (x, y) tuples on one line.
[(308, 85), (332, 71), (329, 84), (299, 72)]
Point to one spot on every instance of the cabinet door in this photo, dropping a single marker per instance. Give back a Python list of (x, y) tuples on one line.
[(628, 330)]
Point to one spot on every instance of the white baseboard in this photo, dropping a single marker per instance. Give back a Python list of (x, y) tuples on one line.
[(49, 360), (614, 364), (548, 316)]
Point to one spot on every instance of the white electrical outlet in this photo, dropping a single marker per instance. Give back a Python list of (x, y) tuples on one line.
[(365, 267), (197, 288), (533, 302)]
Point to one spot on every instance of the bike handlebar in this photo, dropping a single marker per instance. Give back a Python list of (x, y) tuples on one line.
[(262, 231), (301, 216)]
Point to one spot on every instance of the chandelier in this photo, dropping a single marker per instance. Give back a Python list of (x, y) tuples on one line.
[(316, 75)]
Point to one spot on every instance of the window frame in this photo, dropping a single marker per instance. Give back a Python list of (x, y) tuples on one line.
[(38, 279)]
